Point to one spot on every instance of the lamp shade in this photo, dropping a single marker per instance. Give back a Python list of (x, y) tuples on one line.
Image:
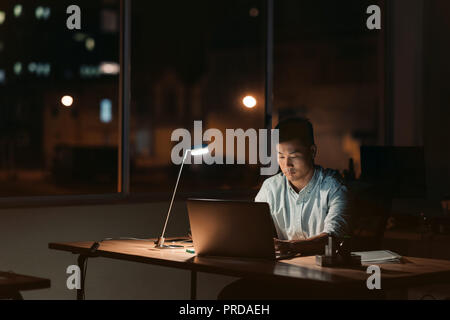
[(198, 150)]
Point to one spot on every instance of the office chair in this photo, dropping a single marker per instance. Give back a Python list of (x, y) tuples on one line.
[(370, 208)]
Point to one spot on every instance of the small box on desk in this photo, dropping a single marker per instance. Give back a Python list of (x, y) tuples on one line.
[(338, 261), (337, 255)]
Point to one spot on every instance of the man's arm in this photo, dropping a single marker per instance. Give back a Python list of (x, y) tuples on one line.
[(335, 224), (313, 245), (336, 221), (262, 195)]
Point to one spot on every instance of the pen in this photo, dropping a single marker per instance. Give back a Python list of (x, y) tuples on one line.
[(190, 250)]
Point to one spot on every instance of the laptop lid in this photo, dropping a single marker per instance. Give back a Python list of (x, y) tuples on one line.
[(231, 228)]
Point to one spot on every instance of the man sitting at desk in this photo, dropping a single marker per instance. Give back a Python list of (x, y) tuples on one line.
[(308, 203)]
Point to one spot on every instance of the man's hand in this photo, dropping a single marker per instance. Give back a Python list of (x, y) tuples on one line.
[(284, 246), (313, 245)]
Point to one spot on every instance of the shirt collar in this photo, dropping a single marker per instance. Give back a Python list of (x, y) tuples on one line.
[(308, 188)]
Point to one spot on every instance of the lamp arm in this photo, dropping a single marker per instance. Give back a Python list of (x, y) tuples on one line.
[(161, 240)]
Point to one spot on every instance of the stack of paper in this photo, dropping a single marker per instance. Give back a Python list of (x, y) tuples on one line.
[(379, 256)]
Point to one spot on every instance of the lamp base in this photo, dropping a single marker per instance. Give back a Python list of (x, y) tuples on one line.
[(165, 246), (160, 244)]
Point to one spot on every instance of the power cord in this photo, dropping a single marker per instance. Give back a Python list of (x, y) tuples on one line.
[(96, 244), (84, 278), (126, 238)]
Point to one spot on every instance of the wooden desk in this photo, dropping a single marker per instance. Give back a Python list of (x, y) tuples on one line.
[(11, 284), (412, 272)]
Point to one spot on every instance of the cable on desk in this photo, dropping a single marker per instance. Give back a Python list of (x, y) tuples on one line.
[(96, 244), (126, 238), (84, 278)]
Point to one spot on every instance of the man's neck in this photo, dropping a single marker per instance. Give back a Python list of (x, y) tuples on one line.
[(298, 185)]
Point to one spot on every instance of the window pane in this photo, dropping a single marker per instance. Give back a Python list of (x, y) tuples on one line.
[(194, 60), (58, 98), (326, 68)]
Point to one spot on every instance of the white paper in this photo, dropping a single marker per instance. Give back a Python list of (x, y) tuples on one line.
[(378, 256)]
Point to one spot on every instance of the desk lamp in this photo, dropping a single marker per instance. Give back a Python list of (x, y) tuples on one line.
[(195, 151)]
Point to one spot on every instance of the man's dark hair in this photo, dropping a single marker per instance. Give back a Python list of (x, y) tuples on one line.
[(296, 129)]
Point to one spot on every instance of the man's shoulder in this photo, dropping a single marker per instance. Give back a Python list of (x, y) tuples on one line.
[(274, 182), (330, 178)]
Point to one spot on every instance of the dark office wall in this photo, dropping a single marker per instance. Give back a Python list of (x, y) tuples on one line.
[(436, 97), (25, 234), (420, 73), (406, 30)]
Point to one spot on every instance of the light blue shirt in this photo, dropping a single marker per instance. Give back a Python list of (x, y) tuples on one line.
[(321, 206)]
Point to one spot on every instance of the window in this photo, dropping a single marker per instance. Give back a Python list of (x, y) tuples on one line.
[(191, 61), (197, 61), (327, 68), (52, 140)]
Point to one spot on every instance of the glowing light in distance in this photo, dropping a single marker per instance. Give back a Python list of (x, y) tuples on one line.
[(254, 12), (109, 68), (90, 44), (2, 76), (17, 68), (67, 101), (42, 13), (249, 101), (17, 10), (105, 110)]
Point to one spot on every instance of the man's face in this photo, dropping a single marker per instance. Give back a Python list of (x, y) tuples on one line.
[(295, 159)]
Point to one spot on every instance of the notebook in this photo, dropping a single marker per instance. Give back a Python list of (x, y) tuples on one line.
[(379, 256)]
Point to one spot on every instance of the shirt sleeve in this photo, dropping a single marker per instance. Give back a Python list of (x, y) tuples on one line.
[(336, 221), (262, 194)]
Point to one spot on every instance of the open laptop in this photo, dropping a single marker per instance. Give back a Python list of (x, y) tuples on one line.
[(231, 228)]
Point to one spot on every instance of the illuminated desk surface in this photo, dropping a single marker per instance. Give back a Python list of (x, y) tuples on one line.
[(411, 272)]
